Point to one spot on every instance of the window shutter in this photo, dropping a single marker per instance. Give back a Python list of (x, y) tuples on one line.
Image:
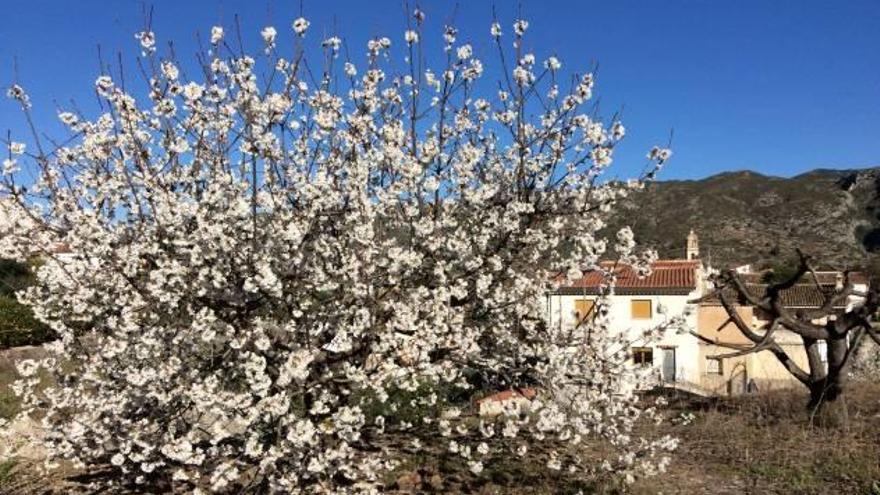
[(641, 309), (583, 308)]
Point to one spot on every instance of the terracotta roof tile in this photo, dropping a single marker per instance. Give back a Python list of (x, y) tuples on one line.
[(825, 278), (667, 277), (797, 296)]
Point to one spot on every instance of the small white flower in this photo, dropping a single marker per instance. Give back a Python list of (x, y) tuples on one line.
[(68, 118), (520, 26), (26, 367), (10, 166), (117, 459), (333, 42), (103, 84), (465, 52), (18, 93), (193, 91), (495, 30), (449, 34), (148, 40), (553, 64), (169, 70), (16, 148), (522, 75), (216, 35), (618, 131), (269, 34), (300, 25), (411, 37), (659, 154)]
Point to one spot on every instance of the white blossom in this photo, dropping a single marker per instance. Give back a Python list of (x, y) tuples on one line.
[(16, 148), (495, 30), (18, 94), (300, 25), (10, 166), (216, 35), (449, 35), (147, 40), (169, 70), (333, 43), (659, 154), (269, 34)]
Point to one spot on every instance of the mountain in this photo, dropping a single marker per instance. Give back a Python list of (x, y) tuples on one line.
[(746, 217)]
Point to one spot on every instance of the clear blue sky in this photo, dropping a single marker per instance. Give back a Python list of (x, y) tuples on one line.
[(780, 87)]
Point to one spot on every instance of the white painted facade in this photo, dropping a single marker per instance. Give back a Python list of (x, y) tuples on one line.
[(680, 346)]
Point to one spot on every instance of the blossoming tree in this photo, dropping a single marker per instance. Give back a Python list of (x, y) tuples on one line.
[(267, 271)]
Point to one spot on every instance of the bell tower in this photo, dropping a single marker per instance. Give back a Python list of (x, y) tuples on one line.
[(693, 246)]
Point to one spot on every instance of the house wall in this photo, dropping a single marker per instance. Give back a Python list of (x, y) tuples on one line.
[(733, 378), (769, 374), (762, 369), (561, 309)]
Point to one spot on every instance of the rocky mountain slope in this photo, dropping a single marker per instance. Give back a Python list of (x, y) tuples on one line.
[(745, 217)]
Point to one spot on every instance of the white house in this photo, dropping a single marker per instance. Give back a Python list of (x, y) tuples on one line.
[(641, 303)]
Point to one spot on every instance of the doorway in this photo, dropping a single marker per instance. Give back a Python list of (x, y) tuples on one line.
[(668, 370)]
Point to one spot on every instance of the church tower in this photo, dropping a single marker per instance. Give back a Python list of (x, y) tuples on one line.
[(693, 246)]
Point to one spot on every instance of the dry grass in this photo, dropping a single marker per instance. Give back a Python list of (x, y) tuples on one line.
[(767, 444)]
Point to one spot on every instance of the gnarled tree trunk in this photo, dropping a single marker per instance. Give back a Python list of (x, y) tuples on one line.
[(835, 322)]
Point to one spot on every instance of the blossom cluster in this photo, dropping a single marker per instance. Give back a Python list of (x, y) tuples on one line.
[(266, 273)]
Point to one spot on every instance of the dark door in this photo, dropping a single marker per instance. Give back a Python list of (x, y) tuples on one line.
[(669, 364)]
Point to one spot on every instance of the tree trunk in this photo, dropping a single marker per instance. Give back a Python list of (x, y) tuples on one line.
[(827, 406), (826, 402)]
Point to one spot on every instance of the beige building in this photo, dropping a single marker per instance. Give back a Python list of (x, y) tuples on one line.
[(759, 371), (736, 375)]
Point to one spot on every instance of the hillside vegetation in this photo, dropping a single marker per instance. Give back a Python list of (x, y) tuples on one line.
[(746, 217)]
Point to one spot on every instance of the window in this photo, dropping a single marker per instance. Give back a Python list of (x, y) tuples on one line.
[(583, 308), (714, 366), (641, 309), (643, 356)]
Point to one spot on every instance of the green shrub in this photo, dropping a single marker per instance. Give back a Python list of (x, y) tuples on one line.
[(410, 406), (18, 326), (14, 276), (17, 323), (7, 472), (9, 404)]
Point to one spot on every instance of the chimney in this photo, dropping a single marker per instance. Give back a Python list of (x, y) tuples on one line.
[(693, 246)]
